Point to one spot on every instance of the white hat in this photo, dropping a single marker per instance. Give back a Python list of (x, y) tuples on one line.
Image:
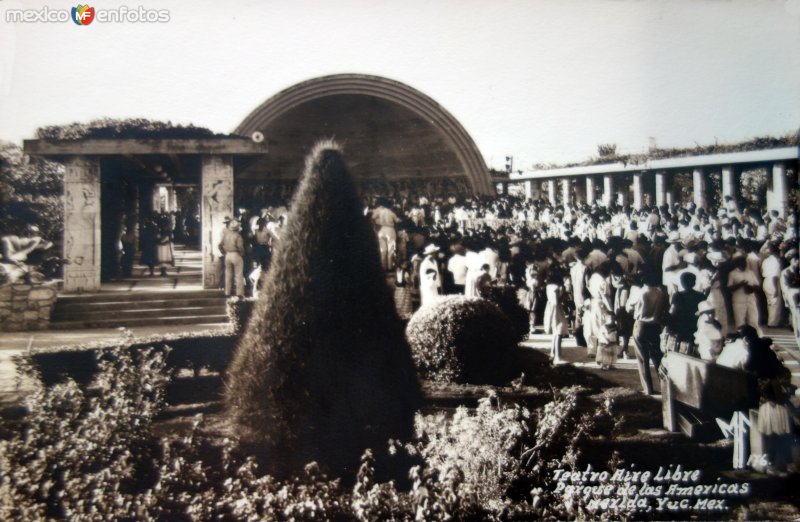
[(715, 256), (430, 249)]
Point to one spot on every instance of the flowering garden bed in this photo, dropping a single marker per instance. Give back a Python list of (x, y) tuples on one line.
[(142, 438)]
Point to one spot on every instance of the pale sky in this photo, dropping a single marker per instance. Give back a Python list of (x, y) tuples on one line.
[(544, 81)]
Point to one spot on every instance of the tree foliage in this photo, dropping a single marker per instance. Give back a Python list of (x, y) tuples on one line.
[(323, 370), (608, 153), (132, 128), (606, 149), (31, 193)]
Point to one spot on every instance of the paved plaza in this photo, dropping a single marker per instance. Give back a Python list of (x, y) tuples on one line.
[(623, 374)]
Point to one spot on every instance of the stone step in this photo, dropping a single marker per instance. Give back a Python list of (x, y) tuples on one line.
[(195, 320), (77, 314), (116, 297), (150, 303), (145, 277)]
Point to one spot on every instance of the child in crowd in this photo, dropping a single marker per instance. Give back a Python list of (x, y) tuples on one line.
[(708, 337)]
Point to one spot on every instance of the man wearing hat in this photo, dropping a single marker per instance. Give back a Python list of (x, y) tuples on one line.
[(232, 247), (672, 255), (429, 262), (742, 283)]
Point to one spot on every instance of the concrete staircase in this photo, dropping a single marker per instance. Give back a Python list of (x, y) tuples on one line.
[(145, 300), (139, 309)]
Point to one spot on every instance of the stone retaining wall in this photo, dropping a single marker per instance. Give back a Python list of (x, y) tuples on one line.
[(26, 307)]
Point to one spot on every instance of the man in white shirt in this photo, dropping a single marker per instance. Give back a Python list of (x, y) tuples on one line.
[(384, 220), (672, 255), (457, 265), (742, 284), (489, 256), (771, 274), (791, 292)]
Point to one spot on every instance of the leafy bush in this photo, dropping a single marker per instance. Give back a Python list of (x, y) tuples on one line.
[(495, 462), (481, 447), (239, 313), (607, 153), (323, 370), (78, 450), (461, 339), (132, 128), (31, 192), (211, 349), (92, 455)]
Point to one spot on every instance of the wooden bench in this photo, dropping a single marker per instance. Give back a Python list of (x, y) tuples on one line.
[(696, 392)]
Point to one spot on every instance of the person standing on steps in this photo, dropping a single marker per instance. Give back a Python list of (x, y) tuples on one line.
[(232, 247), (164, 250), (649, 310), (149, 242)]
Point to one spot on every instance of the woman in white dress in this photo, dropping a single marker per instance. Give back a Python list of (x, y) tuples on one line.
[(555, 321), (428, 287)]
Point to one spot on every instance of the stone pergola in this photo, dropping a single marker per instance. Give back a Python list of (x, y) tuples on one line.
[(391, 134), (83, 160), (780, 163)]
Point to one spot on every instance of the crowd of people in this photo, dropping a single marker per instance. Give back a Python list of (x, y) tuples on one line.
[(624, 282), (246, 244)]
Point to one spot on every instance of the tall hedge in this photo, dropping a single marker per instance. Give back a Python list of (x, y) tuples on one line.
[(323, 369)]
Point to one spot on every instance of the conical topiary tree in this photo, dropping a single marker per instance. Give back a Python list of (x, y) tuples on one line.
[(323, 369)]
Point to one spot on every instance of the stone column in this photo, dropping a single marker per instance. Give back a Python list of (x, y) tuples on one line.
[(699, 185), (82, 224), (566, 191), (637, 191), (608, 190), (528, 189), (589, 190), (217, 202), (155, 198), (551, 191), (580, 192), (662, 189), (670, 198), (729, 182), (536, 189), (173, 199), (780, 190)]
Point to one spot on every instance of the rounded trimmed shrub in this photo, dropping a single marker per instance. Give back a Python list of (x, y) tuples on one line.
[(462, 340)]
